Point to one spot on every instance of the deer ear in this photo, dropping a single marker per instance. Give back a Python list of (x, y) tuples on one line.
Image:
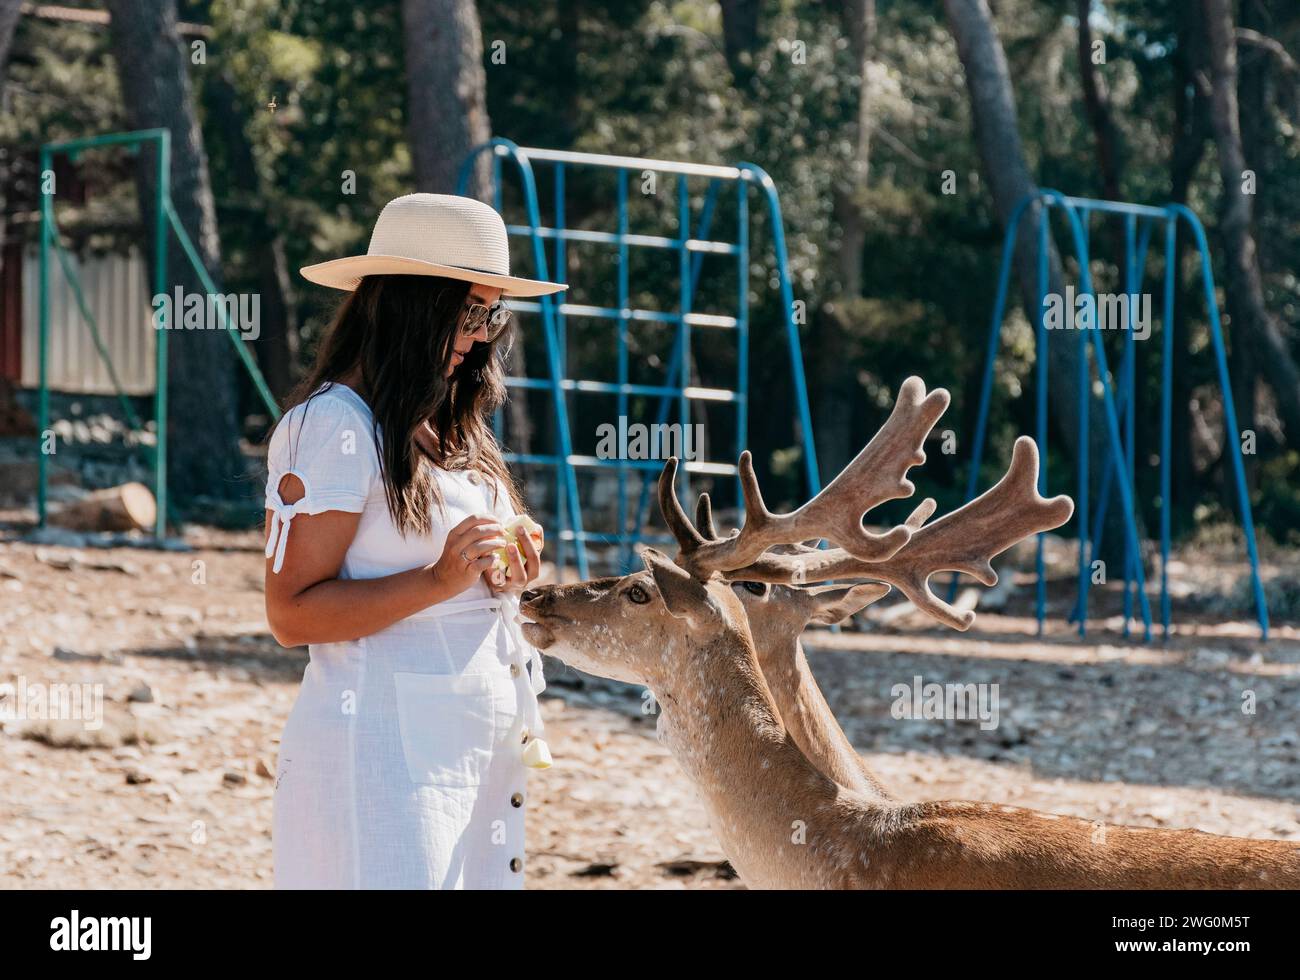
[(833, 603), (683, 594)]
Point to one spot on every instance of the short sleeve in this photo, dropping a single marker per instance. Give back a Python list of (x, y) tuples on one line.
[(329, 444)]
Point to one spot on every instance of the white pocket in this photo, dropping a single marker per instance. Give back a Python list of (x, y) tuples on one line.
[(448, 726)]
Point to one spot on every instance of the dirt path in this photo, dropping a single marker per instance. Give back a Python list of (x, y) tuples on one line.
[(174, 790)]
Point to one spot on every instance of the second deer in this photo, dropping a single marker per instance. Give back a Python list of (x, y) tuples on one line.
[(778, 615)]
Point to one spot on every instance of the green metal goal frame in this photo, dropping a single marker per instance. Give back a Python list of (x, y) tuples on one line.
[(164, 217)]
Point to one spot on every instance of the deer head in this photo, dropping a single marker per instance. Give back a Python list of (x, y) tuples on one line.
[(639, 628)]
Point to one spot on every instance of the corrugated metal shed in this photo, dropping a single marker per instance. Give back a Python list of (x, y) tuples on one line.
[(114, 288)]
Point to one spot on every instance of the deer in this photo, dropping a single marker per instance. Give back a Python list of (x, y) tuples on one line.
[(680, 629)]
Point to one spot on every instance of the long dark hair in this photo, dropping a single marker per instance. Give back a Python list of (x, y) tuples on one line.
[(400, 331)]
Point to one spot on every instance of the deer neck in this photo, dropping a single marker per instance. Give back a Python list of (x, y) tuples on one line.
[(724, 729), (810, 721)]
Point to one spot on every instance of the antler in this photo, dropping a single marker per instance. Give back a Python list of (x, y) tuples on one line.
[(878, 473), (964, 540)]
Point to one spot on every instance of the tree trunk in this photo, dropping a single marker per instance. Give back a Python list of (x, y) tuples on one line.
[(1252, 95), (447, 94), (831, 390), (1096, 101), (203, 421), (997, 134), (859, 18), (568, 81), (1252, 323), (740, 36), (1191, 130), (1106, 138), (828, 343), (9, 10), (276, 346)]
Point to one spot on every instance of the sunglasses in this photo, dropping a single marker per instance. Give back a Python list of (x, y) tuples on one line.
[(496, 316)]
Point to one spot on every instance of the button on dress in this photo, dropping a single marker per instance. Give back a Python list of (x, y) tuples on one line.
[(402, 762)]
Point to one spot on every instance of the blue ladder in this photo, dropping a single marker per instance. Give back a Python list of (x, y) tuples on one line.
[(1118, 466), (691, 250)]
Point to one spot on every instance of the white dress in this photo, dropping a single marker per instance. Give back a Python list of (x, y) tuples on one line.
[(401, 764)]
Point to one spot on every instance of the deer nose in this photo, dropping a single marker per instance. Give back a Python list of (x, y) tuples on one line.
[(530, 594)]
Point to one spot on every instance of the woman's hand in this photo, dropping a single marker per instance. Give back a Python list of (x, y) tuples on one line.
[(525, 566), (468, 552)]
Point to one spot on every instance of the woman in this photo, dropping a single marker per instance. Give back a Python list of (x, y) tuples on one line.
[(403, 761)]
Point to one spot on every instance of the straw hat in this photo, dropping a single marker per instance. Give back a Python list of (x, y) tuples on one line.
[(434, 235)]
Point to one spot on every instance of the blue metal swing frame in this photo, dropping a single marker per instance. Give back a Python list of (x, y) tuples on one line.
[(1119, 463), (676, 387)]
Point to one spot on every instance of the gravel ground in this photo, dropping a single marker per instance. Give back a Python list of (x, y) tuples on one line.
[(175, 790)]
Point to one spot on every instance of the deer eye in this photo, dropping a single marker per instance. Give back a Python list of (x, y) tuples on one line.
[(754, 588), (638, 595)]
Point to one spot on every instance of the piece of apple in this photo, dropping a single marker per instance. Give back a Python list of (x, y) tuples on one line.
[(537, 755), (520, 523)]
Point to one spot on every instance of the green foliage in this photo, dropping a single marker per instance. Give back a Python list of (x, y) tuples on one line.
[(61, 85), (1278, 505), (335, 72), (649, 78)]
